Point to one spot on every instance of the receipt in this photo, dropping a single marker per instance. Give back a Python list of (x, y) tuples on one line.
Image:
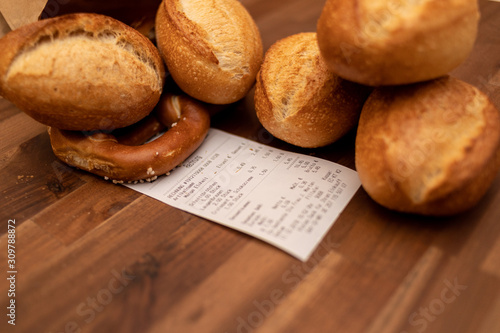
[(286, 199)]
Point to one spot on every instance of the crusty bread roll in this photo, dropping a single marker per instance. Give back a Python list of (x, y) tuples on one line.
[(380, 42), (212, 49), (81, 72), (430, 148), (298, 100)]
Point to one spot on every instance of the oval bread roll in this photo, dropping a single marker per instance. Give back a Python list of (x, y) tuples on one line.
[(298, 100), (430, 148), (212, 49), (81, 72), (379, 42)]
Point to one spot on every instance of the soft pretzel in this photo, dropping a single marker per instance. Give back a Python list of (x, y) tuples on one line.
[(121, 158)]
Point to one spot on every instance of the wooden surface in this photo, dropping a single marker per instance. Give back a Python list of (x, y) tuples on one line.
[(96, 257)]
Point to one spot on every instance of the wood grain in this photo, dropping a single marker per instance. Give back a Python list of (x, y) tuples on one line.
[(96, 257)]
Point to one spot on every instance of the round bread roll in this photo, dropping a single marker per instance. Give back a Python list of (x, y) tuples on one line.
[(298, 100), (430, 148), (81, 72), (376, 42), (212, 49)]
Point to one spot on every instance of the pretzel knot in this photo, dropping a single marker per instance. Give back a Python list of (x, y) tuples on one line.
[(124, 157)]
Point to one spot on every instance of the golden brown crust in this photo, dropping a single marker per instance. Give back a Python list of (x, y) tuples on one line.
[(213, 50), (103, 154), (396, 42), (298, 100), (430, 148), (81, 72)]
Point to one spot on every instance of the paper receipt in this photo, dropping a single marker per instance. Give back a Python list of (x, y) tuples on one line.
[(286, 199)]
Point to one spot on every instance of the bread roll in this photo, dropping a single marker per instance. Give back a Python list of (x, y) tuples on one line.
[(430, 148), (212, 49), (391, 42), (81, 72), (298, 100)]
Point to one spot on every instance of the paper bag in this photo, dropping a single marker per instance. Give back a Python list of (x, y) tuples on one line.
[(15, 13)]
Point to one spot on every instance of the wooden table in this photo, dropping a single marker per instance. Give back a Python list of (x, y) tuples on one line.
[(96, 257)]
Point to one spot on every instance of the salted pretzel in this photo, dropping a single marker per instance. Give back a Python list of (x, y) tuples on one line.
[(122, 156)]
